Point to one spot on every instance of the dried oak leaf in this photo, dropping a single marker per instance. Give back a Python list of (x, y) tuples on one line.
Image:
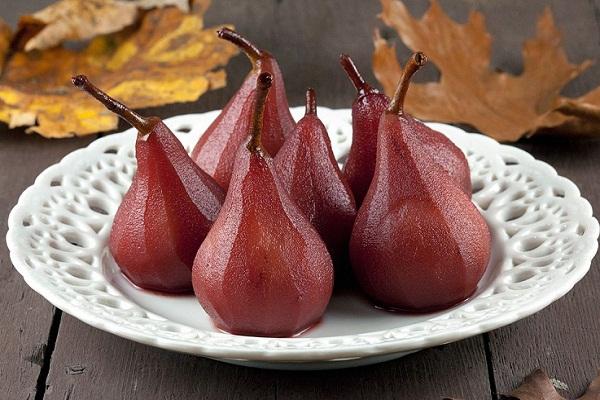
[(166, 58), (535, 386), (538, 386), (499, 104), (80, 19)]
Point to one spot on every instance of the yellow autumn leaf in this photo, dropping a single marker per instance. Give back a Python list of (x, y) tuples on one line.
[(166, 57)]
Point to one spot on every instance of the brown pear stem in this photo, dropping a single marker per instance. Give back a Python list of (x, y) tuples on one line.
[(253, 52), (353, 73), (311, 102), (263, 84), (137, 121), (416, 61)]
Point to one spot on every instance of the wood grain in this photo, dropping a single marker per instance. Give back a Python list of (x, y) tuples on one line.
[(90, 364), (26, 317)]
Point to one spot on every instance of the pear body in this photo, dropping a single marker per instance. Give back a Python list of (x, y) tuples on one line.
[(309, 172), (164, 216), (447, 155), (216, 149), (262, 269), (418, 243), (367, 109)]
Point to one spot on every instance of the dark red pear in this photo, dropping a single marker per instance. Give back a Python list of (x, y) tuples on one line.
[(217, 147), (418, 243), (308, 170), (168, 209), (367, 109), (262, 270)]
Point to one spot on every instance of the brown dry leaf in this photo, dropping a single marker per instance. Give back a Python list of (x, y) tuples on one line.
[(585, 113), (80, 19), (166, 58), (538, 386), (498, 104)]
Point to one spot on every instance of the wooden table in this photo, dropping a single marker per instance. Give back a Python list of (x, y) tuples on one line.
[(46, 354)]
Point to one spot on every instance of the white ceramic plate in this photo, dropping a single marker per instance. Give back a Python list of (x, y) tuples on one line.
[(544, 238)]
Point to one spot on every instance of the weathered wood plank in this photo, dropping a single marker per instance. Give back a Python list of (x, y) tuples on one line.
[(456, 370), (88, 364), (25, 316), (307, 38)]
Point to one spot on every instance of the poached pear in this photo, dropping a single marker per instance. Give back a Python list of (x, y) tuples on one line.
[(367, 108), (168, 209), (216, 149), (262, 270), (418, 243), (310, 173)]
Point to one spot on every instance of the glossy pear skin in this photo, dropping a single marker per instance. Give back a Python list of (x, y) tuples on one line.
[(262, 269), (165, 214), (216, 149), (367, 108), (418, 243), (309, 171)]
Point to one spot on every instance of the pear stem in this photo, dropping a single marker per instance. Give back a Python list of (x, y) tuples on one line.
[(253, 52), (416, 61), (263, 84), (353, 73), (137, 121), (311, 102)]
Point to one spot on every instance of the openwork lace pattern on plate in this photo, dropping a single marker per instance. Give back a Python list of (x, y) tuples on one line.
[(544, 235)]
